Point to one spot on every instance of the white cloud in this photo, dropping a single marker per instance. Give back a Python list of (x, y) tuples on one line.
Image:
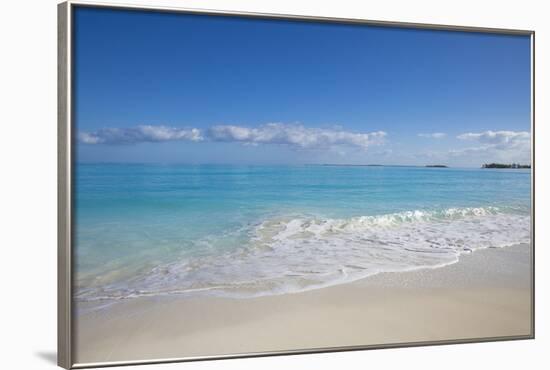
[(89, 138), (500, 140), (295, 136), (504, 138), (476, 150), (140, 134), (497, 145), (434, 135)]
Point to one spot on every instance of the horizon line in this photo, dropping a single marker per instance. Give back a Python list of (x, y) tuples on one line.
[(289, 164)]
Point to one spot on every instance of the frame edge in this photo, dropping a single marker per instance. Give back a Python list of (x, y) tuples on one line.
[(298, 17), (64, 348), (533, 203), (65, 358)]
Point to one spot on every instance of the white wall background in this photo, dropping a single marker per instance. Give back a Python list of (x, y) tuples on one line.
[(28, 182)]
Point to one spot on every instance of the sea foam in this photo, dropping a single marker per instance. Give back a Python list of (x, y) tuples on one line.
[(294, 253)]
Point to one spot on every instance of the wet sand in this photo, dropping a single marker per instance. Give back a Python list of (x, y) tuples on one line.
[(486, 294)]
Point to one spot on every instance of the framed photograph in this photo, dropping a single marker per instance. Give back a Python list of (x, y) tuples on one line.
[(237, 184)]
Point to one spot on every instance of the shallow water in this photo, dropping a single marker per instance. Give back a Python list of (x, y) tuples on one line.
[(243, 231)]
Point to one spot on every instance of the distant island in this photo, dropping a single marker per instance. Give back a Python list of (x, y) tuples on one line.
[(378, 165), (502, 165), (486, 165)]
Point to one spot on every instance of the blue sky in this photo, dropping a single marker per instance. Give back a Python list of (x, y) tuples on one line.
[(160, 87)]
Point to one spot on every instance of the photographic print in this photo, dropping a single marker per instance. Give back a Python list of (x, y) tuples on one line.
[(252, 185)]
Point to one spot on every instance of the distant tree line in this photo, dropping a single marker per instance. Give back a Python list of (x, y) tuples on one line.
[(502, 165)]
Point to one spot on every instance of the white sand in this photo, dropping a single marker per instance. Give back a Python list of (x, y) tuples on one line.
[(487, 294)]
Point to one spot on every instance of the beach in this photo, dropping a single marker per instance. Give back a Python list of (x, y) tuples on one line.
[(486, 294), (379, 198)]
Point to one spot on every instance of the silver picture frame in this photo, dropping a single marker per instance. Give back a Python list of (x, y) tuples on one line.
[(66, 143)]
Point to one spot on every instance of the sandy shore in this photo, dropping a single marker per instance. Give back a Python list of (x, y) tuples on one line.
[(486, 294)]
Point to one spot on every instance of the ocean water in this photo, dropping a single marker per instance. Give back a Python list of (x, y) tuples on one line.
[(245, 231)]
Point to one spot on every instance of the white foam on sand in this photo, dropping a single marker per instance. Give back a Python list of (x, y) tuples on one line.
[(295, 253)]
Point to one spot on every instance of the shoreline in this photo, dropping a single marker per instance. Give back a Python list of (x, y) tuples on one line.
[(487, 293), (281, 254)]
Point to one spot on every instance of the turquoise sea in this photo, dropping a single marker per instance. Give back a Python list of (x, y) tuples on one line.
[(243, 231)]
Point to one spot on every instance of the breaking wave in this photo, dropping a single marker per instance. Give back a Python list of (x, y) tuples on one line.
[(294, 253)]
